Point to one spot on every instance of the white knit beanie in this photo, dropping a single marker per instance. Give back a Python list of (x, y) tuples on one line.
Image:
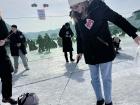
[(74, 2)]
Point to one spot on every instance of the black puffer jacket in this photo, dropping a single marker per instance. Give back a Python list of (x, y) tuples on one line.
[(16, 38), (93, 35), (5, 63)]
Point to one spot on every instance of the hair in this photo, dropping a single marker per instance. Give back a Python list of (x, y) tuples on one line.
[(75, 16), (85, 3), (14, 26), (85, 6), (67, 24)]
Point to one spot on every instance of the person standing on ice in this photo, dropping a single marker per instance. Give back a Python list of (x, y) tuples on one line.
[(116, 42), (6, 67), (95, 43), (66, 34), (18, 47)]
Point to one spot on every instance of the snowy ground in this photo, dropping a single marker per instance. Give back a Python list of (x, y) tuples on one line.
[(49, 74)]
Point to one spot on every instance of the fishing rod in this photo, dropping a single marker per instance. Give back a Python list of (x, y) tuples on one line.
[(61, 96), (9, 35)]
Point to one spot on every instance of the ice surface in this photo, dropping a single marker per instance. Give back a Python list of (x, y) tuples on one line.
[(49, 74)]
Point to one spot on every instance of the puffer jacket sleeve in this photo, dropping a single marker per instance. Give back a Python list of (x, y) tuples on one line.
[(120, 21)]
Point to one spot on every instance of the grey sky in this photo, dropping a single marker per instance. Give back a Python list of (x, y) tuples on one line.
[(22, 8)]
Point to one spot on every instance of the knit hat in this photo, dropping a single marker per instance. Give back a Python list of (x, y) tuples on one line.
[(74, 2)]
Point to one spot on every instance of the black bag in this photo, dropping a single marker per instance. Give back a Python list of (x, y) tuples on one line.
[(28, 99)]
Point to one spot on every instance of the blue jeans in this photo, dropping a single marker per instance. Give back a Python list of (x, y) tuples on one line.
[(106, 74)]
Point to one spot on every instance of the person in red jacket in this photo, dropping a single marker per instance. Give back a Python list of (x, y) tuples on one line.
[(94, 41)]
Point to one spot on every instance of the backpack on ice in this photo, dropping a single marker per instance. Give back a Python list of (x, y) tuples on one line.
[(28, 99)]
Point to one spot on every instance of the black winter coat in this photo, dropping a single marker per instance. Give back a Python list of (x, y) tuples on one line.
[(93, 35), (5, 63), (66, 35), (16, 38)]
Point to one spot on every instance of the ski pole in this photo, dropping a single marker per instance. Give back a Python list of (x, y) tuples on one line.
[(68, 81), (137, 53), (8, 36), (65, 88)]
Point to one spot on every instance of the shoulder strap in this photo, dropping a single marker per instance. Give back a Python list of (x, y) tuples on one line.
[(22, 103)]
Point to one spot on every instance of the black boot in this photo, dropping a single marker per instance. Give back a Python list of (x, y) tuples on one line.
[(72, 60), (109, 103), (9, 100), (66, 56), (100, 102), (71, 57)]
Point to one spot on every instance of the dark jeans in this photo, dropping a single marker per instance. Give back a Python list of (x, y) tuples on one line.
[(6, 79), (66, 56)]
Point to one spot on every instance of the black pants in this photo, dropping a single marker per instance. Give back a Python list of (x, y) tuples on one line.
[(6, 79), (6, 69), (66, 56)]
